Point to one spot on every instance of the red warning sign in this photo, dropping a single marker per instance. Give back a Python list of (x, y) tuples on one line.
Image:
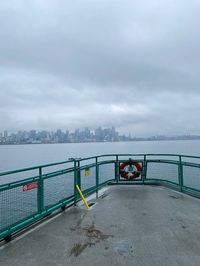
[(30, 186)]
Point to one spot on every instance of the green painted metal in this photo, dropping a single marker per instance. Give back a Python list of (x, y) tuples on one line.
[(75, 182), (97, 175), (144, 170), (40, 193), (80, 164), (117, 168), (180, 173), (78, 180)]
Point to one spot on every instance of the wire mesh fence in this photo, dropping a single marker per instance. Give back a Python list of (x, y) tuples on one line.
[(58, 188), (16, 204)]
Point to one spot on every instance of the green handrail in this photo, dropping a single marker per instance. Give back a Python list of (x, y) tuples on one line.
[(47, 184)]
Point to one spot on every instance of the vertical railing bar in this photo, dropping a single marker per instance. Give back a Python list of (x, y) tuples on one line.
[(75, 182), (144, 170), (117, 169), (79, 175), (97, 177), (40, 192), (146, 165), (180, 173)]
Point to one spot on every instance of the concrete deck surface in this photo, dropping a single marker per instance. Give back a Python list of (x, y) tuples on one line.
[(135, 225)]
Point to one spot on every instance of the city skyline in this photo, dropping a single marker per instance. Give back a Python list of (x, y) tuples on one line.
[(100, 134), (60, 136)]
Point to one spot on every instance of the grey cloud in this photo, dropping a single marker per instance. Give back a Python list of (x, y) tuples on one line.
[(132, 64)]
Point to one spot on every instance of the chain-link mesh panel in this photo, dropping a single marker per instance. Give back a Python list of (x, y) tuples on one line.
[(106, 172), (165, 171), (16, 205), (191, 177), (58, 188), (88, 178)]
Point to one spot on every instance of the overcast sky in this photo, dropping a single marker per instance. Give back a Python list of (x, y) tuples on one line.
[(130, 64)]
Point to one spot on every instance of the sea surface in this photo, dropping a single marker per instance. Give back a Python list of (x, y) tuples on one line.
[(19, 156)]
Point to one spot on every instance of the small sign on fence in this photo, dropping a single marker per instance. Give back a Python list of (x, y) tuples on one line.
[(30, 186), (87, 171)]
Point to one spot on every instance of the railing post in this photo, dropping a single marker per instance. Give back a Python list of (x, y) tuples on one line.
[(40, 195), (144, 170), (97, 177), (75, 182), (78, 175), (180, 173), (117, 169)]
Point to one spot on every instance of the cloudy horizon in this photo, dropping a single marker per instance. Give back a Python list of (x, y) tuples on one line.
[(129, 64)]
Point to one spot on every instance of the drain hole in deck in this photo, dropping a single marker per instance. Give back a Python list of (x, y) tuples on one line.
[(91, 204)]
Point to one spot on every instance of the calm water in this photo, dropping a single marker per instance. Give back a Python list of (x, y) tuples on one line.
[(19, 156)]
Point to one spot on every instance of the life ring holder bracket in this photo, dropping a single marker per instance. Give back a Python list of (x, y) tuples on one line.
[(131, 162)]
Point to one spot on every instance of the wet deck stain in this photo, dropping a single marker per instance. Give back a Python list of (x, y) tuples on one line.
[(77, 249), (93, 235)]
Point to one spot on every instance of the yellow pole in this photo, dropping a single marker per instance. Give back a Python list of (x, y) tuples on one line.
[(82, 197)]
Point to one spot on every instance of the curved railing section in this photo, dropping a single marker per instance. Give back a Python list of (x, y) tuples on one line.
[(28, 195)]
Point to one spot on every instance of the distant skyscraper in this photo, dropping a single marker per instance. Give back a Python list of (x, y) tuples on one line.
[(5, 134)]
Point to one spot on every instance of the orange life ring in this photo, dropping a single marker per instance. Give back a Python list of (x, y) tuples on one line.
[(128, 174)]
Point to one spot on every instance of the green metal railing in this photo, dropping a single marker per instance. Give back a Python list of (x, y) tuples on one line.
[(28, 195)]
